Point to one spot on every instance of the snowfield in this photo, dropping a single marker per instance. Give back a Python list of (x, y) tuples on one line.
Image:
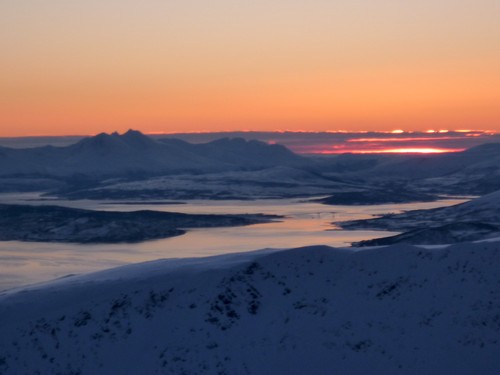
[(313, 310)]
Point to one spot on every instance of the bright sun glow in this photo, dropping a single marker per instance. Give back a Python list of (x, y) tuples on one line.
[(418, 150), (403, 150)]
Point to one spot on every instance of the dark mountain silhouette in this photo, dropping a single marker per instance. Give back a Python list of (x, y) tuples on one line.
[(134, 153)]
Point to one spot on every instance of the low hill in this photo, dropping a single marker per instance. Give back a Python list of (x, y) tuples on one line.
[(470, 221), (474, 171), (63, 224)]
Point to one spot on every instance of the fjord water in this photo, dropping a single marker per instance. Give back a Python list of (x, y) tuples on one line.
[(304, 223)]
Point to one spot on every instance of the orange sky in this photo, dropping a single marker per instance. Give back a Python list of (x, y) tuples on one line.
[(82, 67)]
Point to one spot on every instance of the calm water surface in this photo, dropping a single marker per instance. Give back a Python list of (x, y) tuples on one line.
[(305, 223)]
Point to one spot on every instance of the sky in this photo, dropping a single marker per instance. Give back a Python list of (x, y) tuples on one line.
[(162, 66)]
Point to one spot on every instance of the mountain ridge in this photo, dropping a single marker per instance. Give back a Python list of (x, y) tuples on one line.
[(133, 152)]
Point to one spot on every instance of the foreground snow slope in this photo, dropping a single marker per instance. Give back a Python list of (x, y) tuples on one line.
[(314, 310)]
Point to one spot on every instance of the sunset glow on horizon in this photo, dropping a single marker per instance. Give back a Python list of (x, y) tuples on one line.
[(414, 150), (163, 67), (417, 150)]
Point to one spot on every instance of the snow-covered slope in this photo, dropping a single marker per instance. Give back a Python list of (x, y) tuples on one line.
[(441, 234), (315, 310), (470, 221), (485, 209), (273, 182), (473, 171), (488, 205), (483, 156)]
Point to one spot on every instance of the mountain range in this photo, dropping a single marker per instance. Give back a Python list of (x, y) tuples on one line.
[(134, 153), (106, 161)]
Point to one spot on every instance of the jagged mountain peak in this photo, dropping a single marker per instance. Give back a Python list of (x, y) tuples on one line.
[(100, 140), (135, 137), (113, 140)]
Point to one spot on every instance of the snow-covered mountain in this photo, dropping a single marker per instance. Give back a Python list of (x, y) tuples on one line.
[(314, 310), (251, 153), (135, 153)]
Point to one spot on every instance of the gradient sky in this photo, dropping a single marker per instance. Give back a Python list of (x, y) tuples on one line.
[(82, 67)]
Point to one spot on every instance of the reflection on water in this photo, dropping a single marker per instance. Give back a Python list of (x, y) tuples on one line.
[(305, 223)]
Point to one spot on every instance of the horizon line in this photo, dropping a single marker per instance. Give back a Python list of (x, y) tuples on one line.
[(395, 132)]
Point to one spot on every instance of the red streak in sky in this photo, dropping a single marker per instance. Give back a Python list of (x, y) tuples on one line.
[(407, 139)]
